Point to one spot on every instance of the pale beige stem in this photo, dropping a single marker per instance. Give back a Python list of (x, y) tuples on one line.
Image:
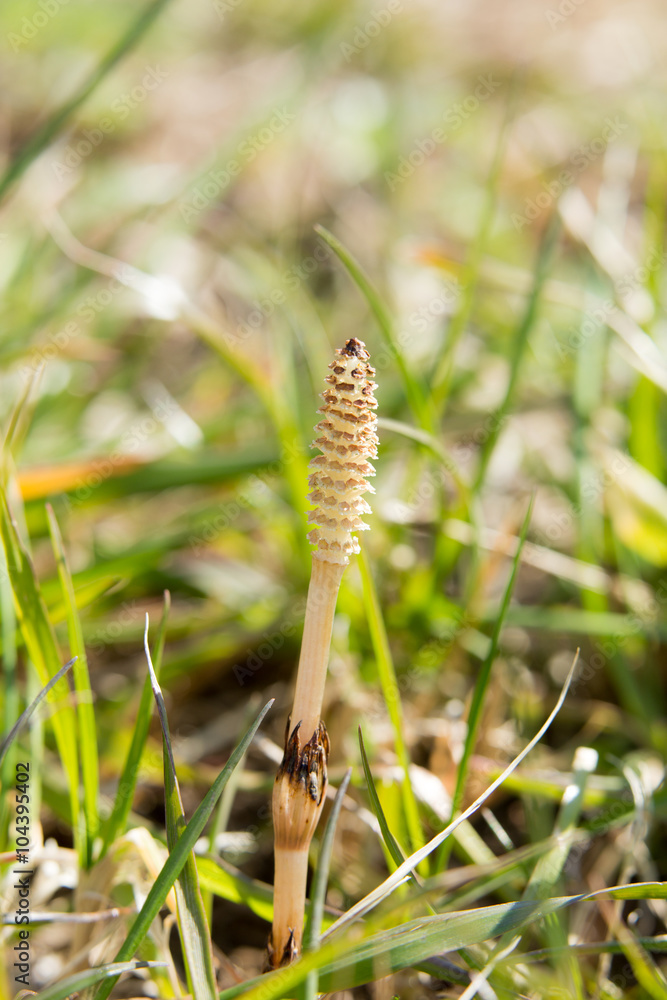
[(338, 478), (320, 607), (289, 901)]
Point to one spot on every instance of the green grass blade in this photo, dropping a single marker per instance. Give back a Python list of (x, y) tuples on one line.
[(415, 393), (318, 890), (42, 648), (53, 125), (403, 871), (481, 685), (445, 367), (353, 961), (390, 841), (236, 887), (544, 257), (128, 780), (549, 867), (11, 703), (24, 718), (192, 923), (85, 711), (391, 695), (179, 855), (82, 980)]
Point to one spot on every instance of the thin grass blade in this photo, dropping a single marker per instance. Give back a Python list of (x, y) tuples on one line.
[(390, 841), (179, 855), (391, 695), (544, 258), (415, 393), (82, 980), (192, 923), (85, 711), (481, 685), (24, 718), (351, 962), (41, 646), (53, 125), (318, 890), (403, 871), (128, 780)]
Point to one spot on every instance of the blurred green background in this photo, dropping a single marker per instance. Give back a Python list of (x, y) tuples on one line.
[(499, 172)]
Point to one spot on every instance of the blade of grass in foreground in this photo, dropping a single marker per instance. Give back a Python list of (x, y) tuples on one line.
[(481, 685), (391, 695), (42, 648), (415, 393), (84, 702), (128, 780), (390, 841), (11, 704), (52, 126), (192, 924), (179, 855), (352, 962), (318, 890), (82, 980), (403, 871)]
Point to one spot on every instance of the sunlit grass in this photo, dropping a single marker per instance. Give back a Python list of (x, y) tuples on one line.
[(170, 296)]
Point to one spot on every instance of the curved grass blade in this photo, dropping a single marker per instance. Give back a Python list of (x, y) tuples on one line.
[(352, 962), (391, 843), (192, 923), (85, 712), (415, 393), (24, 718), (179, 855), (403, 871), (318, 890), (128, 780), (82, 980), (52, 126), (481, 685)]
